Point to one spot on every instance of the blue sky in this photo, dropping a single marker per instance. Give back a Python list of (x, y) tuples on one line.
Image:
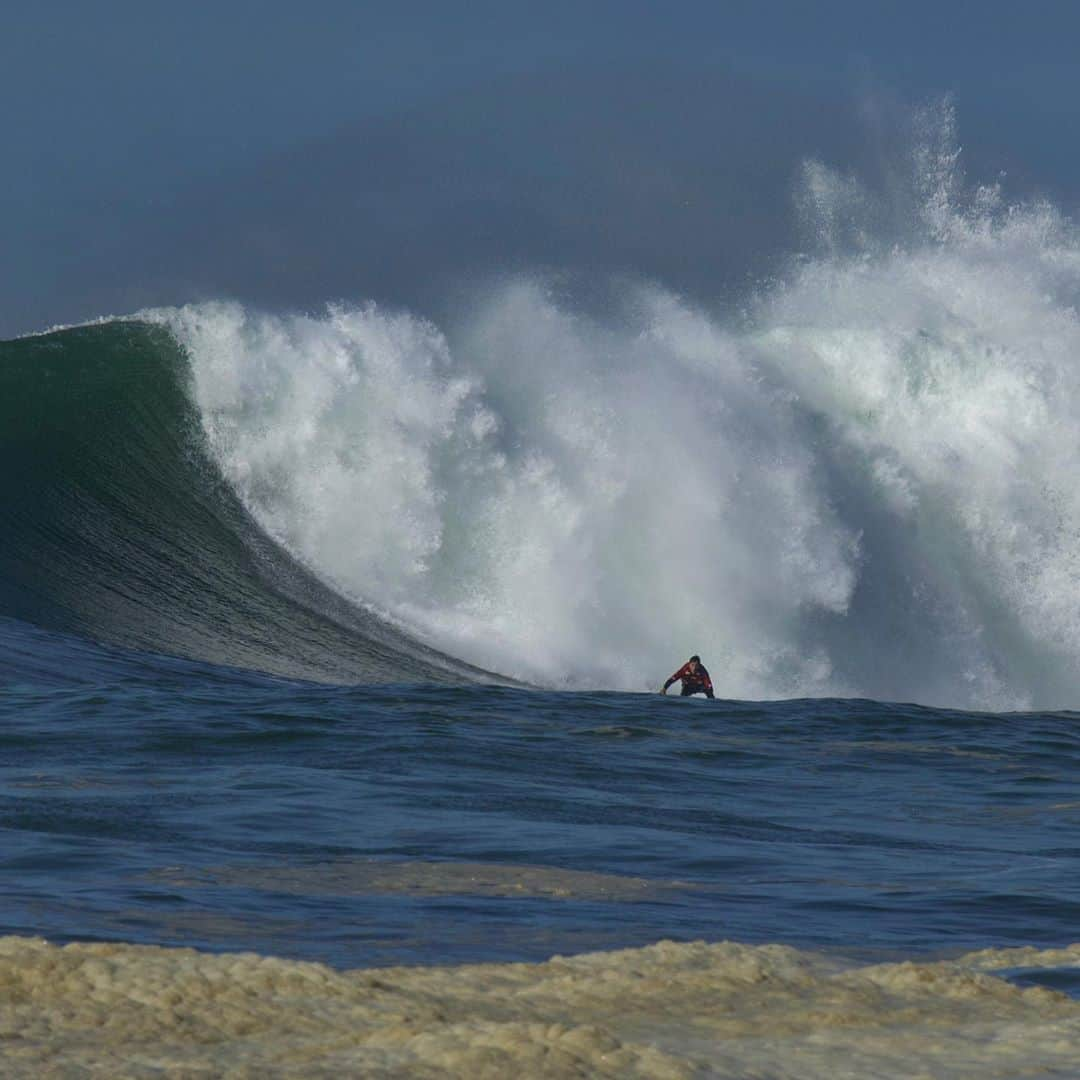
[(139, 135)]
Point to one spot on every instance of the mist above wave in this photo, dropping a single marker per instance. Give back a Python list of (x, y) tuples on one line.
[(860, 487)]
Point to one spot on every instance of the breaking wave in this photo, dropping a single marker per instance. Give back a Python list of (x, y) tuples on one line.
[(862, 484)]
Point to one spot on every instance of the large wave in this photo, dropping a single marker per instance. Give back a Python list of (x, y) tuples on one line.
[(117, 525), (575, 503), (861, 484)]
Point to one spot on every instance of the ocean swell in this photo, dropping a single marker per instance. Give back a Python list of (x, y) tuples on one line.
[(119, 528)]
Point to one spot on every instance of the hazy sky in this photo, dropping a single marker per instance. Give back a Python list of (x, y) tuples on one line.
[(286, 153)]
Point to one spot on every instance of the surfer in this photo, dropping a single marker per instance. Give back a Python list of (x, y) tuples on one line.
[(695, 679)]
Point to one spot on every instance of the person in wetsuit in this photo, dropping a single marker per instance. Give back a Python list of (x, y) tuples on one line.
[(695, 679)]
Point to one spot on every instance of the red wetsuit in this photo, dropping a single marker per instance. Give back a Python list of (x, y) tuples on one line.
[(693, 682)]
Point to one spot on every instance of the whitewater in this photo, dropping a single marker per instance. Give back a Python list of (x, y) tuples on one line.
[(861, 484), (329, 647)]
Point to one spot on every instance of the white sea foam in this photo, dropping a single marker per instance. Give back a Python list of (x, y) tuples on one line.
[(665, 1011), (864, 487)]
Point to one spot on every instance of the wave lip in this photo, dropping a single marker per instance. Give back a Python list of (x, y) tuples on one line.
[(120, 527)]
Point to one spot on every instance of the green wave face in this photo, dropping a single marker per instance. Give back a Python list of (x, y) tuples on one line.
[(117, 525)]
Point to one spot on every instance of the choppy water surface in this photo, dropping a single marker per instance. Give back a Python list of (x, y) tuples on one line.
[(161, 801)]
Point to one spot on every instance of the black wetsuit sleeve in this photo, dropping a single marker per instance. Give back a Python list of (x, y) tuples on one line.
[(706, 682)]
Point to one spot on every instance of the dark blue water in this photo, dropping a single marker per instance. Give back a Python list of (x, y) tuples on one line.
[(155, 800)]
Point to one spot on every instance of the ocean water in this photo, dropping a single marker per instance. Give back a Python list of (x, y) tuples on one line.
[(174, 803), (329, 648)]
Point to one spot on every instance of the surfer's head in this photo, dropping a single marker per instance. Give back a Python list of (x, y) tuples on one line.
[(695, 660)]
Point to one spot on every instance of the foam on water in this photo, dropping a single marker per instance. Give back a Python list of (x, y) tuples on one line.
[(862, 486), (668, 1010), (417, 877)]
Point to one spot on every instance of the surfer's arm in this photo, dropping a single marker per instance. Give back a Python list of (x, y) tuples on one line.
[(675, 678)]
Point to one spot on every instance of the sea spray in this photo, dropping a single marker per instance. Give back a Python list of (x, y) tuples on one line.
[(571, 504), (942, 374), (864, 486)]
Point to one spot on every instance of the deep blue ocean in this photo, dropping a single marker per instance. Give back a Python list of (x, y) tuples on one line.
[(153, 800)]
